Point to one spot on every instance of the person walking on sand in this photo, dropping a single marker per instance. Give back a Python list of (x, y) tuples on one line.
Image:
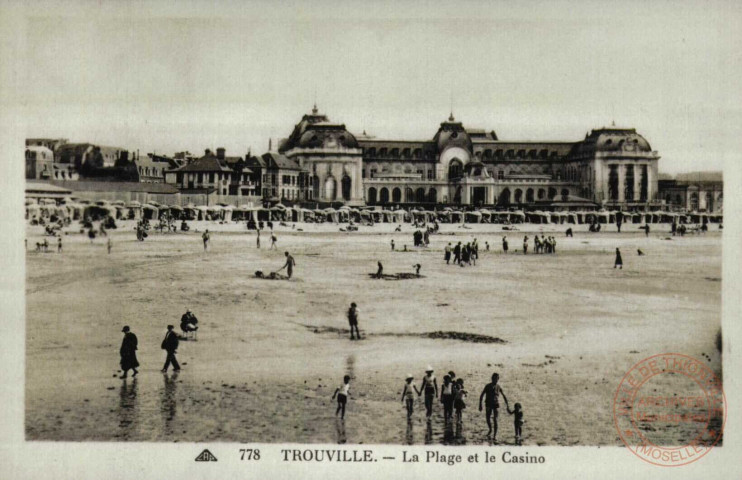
[(619, 260), (379, 270), (408, 395), (353, 321), (457, 254), (59, 244), (525, 245), (128, 353), (289, 265), (109, 245), (490, 395), (170, 344), (206, 238), (274, 239), (517, 413), (447, 397), (505, 244), (258, 238), (392, 244), (342, 393), (429, 387), (447, 254)]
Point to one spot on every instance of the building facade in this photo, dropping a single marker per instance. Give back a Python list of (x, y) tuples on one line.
[(212, 173), (611, 167), (39, 163), (694, 192)]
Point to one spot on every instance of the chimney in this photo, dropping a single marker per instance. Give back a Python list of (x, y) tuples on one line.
[(220, 153), (207, 152)]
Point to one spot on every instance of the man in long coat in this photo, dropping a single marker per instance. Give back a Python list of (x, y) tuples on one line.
[(128, 353)]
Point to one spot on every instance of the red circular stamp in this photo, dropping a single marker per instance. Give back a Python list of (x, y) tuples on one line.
[(670, 409)]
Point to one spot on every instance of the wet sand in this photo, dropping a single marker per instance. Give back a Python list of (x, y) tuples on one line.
[(560, 329)]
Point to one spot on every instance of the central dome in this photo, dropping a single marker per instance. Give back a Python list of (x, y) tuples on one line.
[(316, 131)]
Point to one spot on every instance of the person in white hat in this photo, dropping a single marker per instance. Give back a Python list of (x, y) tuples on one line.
[(430, 388), (408, 397)]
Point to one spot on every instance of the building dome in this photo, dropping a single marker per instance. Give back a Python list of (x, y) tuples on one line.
[(452, 134), (614, 140), (316, 131)]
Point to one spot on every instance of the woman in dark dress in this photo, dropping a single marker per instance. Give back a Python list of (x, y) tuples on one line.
[(129, 353), (619, 261)]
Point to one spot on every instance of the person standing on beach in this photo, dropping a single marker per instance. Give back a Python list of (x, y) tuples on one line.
[(289, 265), (408, 397), (392, 244), (353, 321), (128, 353), (274, 239), (109, 245), (59, 244), (447, 396), (490, 395), (429, 387), (525, 245), (457, 254), (258, 238), (206, 238), (447, 254), (342, 393), (505, 244), (619, 260), (170, 344)]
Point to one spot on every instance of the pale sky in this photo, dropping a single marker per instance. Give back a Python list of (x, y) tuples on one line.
[(159, 78)]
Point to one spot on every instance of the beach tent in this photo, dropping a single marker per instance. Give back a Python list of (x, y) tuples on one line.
[(150, 212), (457, 217), (331, 215), (33, 211), (517, 216), (227, 213), (473, 217)]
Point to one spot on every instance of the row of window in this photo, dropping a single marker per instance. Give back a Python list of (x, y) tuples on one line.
[(210, 177)]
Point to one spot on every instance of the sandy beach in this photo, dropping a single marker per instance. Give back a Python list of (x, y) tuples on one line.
[(560, 329)]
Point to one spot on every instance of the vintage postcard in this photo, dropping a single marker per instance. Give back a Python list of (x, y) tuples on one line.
[(350, 239)]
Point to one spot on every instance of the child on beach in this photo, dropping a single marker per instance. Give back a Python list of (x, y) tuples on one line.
[(459, 404), (518, 421), (408, 397), (342, 392)]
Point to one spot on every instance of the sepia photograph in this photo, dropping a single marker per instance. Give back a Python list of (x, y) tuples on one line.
[(449, 225)]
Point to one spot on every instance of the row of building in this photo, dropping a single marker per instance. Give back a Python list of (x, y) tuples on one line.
[(322, 162)]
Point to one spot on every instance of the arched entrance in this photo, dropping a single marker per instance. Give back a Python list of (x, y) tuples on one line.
[(541, 194), (552, 193), (518, 195), (384, 196), (504, 198), (372, 195), (529, 195), (409, 195), (432, 195), (396, 195), (420, 194), (455, 168)]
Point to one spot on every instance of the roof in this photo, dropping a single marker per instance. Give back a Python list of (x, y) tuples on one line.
[(38, 148), (276, 160), (44, 187), (98, 186), (207, 163)]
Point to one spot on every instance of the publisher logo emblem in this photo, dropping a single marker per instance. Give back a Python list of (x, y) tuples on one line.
[(206, 456)]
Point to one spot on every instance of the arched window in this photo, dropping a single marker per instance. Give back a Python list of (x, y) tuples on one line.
[(396, 195), (432, 195), (455, 168), (420, 194), (541, 194), (409, 195), (552, 193), (694, 201), (372, 195), (384, 196), (315, 186), (518, 195), (565, 194), (613, 182), (346, 184), (529, 195), (330, 188)]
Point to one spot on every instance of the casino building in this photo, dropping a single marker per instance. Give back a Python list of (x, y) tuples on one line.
[(610, 167)]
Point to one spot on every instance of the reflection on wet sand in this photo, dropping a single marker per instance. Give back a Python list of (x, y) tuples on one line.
[(409, 436), (459, 438), (448, 432), (340, 428), (350, 365), (428, 432), (168, 405), (128, 407)]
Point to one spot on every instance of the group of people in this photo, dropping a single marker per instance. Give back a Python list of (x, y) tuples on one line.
[(462, 254), (452, 394), (541, 245), (130, 344)]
